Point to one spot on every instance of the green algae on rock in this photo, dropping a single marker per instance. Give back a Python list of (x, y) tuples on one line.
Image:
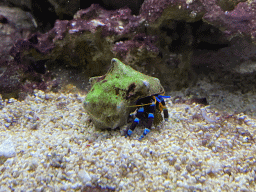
[(112, 96)]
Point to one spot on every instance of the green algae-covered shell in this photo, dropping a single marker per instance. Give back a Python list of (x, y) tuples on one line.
[(109, 101)]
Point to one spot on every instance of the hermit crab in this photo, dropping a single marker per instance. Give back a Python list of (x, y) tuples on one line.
[(122, 95)]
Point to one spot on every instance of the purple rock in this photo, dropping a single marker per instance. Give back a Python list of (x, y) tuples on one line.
[(168, 39), (241, 20)]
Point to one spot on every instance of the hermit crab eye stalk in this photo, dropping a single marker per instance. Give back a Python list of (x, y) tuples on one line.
[(146, 109)]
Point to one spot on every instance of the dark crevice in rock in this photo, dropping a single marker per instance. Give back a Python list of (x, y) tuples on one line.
[(42, 11), (134, 5), (192, 36), (3, 19), (210, 46), (33, 39), (121, 39), (39, 66)]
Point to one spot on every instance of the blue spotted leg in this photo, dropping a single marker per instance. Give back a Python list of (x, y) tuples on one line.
[(143, 113)]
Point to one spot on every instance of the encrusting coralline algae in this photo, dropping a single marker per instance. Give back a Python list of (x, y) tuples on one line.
[(65, 152)]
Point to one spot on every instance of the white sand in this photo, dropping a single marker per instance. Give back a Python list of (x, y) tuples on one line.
[(49, 144)]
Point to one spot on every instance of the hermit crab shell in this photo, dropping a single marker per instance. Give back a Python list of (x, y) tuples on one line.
[(113, 96)]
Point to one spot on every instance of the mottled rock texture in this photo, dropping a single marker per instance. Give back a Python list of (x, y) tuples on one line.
[(239, 21), (174, 40), (65, 10), (14, 24)]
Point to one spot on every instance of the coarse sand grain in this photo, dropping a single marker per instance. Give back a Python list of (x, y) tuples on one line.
[(47, 143)]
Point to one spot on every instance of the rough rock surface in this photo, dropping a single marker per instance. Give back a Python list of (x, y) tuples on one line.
[(62, 9), (239, 21), (164, 40), (189, 10), (14, 24)]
